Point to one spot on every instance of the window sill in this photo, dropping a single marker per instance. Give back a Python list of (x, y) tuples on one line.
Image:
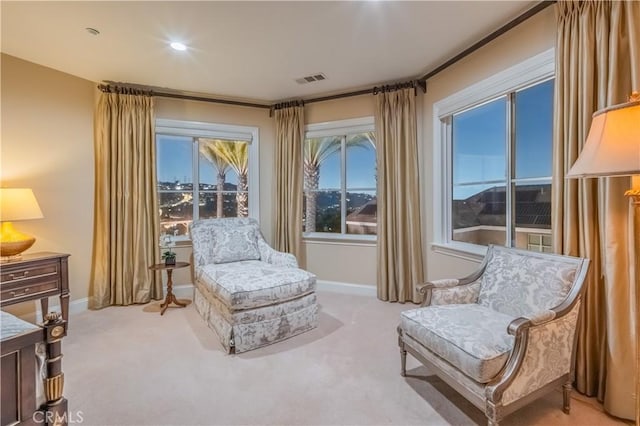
[(466, 251), (339, 239)]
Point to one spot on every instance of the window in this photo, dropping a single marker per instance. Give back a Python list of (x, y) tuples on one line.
[(204, 171), (340, 179), (497, 151)]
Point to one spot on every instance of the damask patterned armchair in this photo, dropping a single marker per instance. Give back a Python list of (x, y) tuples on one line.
[(250, 294), (504, 335)]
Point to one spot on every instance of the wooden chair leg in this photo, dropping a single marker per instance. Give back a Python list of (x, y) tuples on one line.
[(403, 361), (566, 397), (493, 413)]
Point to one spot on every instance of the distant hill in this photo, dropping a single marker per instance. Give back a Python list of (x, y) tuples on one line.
[(488, 207), (328, 208)]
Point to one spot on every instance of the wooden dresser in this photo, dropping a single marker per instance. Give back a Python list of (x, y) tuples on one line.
[(36, 276)]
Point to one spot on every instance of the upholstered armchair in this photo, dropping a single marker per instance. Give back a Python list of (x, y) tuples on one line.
[(250, 294), (504, 335)]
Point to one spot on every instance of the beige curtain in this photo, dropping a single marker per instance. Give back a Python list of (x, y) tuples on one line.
[(289, 140), (400, 266), (598, 56), (125, 241)]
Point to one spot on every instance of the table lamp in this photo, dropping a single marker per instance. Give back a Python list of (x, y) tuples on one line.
[(16, 204), (613, 149)]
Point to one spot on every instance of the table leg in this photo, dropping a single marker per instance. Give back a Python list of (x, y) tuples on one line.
[(64, 305), (170, 296), (44, 304)]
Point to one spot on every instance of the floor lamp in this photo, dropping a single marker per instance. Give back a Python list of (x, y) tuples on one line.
[(613, 149)]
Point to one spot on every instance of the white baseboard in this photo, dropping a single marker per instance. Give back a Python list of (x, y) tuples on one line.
[(80, 305), (347, 288), (182, 291)]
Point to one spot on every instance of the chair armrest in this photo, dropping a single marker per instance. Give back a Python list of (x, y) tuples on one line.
[(542, 353), (519, 325), (274, 257), (449, 291)]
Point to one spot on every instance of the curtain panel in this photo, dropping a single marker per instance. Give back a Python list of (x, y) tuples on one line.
[(125, 241), (399, 248), (597, 65), (289, 141)]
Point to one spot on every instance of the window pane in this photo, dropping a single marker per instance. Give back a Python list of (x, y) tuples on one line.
[(174, 161), (208, 207), (176, 212), (322, 163), (326, 206), (478, 143), (534, 134), (533, 216), (223, 163), (480, 218), (214, 205), (361, 161), (362, 212), (322, 171)]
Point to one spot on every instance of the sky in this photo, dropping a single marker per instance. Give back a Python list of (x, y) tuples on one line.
[(175, 158), (361, 169), (479, 138)]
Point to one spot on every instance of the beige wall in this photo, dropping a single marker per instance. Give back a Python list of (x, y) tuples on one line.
[(47, 145), (534, 36), (348, 262)]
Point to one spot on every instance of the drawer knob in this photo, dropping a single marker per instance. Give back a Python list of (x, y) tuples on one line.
[(22, 293), (14, 276)]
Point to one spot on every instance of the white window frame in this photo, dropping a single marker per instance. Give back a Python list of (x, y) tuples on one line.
[(197, 129), (534, 70), (336, 128)]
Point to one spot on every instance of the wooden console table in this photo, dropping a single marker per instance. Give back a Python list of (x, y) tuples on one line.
[(36, 276)]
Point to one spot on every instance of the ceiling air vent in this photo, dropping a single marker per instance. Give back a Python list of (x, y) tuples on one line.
[(311, 78)]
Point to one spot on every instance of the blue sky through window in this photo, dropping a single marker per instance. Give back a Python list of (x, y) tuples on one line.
[(175, 159), (534, 131), (480, 135), (361, 168)]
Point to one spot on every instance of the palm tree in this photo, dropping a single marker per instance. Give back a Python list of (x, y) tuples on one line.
[(206, 149), (236, 155), (316, 151)]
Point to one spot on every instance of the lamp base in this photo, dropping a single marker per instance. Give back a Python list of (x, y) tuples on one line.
[(12, 241)]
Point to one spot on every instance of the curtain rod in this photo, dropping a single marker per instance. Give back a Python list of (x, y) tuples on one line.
[(419, 83), (124, 87), (415, 84)]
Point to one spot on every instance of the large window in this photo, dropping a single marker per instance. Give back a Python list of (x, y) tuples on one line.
[(497, 176), (340, 179), (204, 171)]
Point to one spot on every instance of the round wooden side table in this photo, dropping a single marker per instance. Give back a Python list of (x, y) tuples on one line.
[(170, 298)]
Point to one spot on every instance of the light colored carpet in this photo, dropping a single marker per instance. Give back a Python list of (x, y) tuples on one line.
[(130, 366)]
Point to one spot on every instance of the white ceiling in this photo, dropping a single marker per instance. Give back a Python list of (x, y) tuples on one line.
[(249, 50)]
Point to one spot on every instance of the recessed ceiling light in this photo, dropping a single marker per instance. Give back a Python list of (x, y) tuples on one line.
[(178, 46)]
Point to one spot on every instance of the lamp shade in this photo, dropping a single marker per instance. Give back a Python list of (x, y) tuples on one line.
[(18, 204), (613, 144)]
